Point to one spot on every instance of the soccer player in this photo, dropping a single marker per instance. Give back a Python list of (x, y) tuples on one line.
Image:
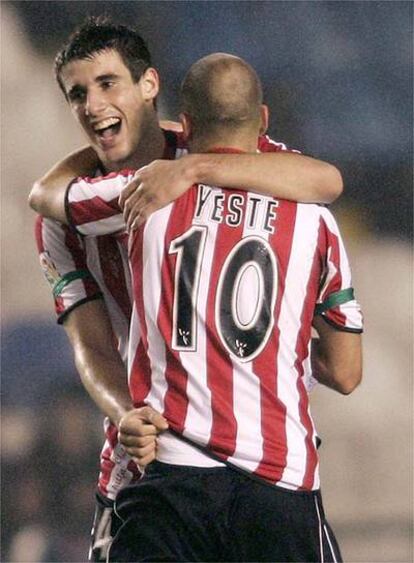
[(226, 287)]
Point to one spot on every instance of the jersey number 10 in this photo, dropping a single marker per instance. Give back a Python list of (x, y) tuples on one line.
[(244, 298)]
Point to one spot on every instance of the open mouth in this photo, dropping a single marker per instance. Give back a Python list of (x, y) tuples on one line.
[(108, 128)]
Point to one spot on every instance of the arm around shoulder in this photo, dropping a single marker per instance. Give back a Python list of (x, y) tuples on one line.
[(47, 194)]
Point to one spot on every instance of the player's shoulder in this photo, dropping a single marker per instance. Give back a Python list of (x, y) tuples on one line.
[(267, 144)]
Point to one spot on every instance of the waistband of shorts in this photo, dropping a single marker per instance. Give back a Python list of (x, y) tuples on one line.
[(168, 469)]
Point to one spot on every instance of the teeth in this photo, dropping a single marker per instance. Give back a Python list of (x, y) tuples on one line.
[(106, 123)]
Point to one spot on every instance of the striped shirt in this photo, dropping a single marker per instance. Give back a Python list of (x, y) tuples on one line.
[(225, 285), (80, 269)]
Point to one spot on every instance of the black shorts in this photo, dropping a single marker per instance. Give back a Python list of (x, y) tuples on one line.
[(105, 526), (178, 513)]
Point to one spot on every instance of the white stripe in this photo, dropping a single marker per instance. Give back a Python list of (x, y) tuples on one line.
[(320, 530), (106, 190), (152, 259), (54, 242), (120, 475), (299, 269), (199, 415), (246, 385), (134, 339), (119, 322), (330, 544), (106, 226)]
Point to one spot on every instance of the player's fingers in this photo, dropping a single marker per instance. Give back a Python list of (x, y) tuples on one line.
[(132, 205), (157, 420), (144, 461), (140, 453), (129, 189), (137, 427), (140, 217), (129, 440)]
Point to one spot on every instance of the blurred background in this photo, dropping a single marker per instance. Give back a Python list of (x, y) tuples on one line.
[(338, 81)]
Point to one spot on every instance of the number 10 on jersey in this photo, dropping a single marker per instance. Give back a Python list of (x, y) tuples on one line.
[(245, 294)]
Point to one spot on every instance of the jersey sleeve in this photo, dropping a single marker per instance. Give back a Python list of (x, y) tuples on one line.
[(63, 261), (266, 144), (92, 203), (336, 301)]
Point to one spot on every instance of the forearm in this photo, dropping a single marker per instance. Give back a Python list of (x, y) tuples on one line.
[(283, 174), (47, 194), (105, 379)]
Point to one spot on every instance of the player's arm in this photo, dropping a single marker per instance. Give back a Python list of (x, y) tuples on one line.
[(47, 194), (336, 357), (89, 205), (97, 359), (281, 174)]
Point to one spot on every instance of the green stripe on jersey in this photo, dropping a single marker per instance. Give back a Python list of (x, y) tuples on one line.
[(67, 278), (335, 299)]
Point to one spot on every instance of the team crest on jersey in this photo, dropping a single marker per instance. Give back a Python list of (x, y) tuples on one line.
[(49, 268)]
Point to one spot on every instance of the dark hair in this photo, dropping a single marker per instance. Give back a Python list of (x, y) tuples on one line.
[(98, 34)]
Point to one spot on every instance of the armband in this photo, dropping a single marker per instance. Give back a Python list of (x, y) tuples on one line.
[(67, 279), (335, 299)]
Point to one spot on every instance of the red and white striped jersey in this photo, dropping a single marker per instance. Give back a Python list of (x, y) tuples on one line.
[(79, 270), (226, 284)]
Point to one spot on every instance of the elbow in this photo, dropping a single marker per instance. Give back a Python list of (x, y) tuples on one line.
[(348, 382), (333, 184), (34, 199)]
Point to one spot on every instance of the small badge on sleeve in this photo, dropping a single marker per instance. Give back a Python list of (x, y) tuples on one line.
[(49, 269)]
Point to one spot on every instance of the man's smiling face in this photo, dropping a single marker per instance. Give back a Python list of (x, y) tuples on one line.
[(110, 107)]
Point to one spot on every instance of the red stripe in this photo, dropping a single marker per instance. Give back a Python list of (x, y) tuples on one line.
[(125, 172), (112, 266), (219, 364), (331, 242), (77, 251), (140, 373), (107, 465), (273, 411), (176, 399), (301, 354), (93, 209), (38, 233)]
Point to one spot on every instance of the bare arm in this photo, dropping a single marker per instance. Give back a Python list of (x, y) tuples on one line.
[(48, 193), (337, 359), (98, 362), (281, 174)]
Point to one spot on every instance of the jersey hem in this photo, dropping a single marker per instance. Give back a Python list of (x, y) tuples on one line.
[(240, 470), (339, 327)]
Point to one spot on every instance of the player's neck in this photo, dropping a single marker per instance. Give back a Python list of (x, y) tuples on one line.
[(243, 142), (150, 146)]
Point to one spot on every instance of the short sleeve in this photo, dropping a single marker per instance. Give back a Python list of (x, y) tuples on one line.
[(92, 203), (336, 300), (63, 262)]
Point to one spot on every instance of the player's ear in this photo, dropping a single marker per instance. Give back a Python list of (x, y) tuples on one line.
[(187, 126), (264, 119), (150, 84)]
